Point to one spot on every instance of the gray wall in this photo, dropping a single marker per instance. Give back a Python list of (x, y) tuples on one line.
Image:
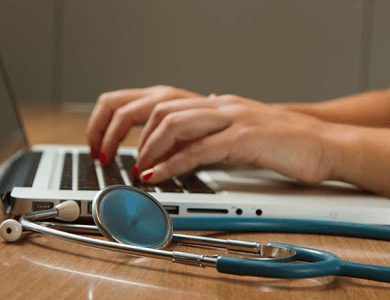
[(379, 75), (26, 43), (296, 50)]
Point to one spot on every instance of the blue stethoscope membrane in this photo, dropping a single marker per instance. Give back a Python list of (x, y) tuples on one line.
[(132, 217)]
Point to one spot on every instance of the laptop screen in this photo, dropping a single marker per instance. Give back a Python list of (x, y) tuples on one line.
[(12, 138)]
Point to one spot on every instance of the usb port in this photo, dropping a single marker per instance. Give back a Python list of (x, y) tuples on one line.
[(172, 209), (42, 205)]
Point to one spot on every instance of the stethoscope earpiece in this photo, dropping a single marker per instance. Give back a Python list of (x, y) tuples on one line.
[(11, 230), (68, 211)]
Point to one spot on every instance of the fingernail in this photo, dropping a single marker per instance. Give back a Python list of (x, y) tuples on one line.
[(147, 175), (134, 172), (93, 153), (102, 158)]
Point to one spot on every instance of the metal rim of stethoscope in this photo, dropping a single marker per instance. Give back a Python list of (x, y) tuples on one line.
[(96, 213)]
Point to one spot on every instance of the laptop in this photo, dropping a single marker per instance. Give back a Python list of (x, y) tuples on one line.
[(39, 177)]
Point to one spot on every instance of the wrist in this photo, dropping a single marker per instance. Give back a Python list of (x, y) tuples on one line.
[(342, 151), (360, 155)]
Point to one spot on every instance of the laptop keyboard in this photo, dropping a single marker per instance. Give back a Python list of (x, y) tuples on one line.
[(88, 179)]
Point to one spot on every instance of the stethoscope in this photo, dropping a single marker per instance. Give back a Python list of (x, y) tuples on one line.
[(137, 224)]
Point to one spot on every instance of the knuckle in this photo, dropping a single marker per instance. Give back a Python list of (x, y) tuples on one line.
[(228, 98), (247, 133), (172, 121), (160, 111), (164, 89), (104, 99), (120, 114)]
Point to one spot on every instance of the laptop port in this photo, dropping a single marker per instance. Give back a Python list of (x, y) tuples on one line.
[(207, 210), (259, 212), (172, 209), (42, 205)]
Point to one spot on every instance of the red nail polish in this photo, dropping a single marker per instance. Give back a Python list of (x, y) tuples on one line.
[(134, 172), (102, 158), (147, 176)]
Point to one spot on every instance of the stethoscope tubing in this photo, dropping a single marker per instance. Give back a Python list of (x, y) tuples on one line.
[(320, 263), (234, 224), (316, 263)]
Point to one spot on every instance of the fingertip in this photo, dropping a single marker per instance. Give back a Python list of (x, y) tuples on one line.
[(134, 172), (147, 175), (102, 158), (155, 174), (93, 153), (106, 159)]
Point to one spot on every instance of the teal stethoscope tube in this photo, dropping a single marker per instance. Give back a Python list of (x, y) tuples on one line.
[(282, 225), (317, 262)]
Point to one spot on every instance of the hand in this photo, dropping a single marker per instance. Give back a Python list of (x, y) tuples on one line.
[(116, 112), (181, 135)]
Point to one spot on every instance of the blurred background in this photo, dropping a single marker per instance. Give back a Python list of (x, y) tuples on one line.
[(65, 51)]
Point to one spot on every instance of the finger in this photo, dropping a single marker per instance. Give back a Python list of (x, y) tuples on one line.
[(124, 117), (100, 118), (211, 149), (179, 126), (163, 109)]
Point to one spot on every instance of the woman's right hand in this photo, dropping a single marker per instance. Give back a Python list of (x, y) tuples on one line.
[(116, 112)]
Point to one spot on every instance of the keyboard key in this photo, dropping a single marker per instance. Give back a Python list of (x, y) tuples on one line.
[(193, 184), (87, 178), (128, 162), (66, 178), (143, 186), (169, 186), (111, 175)]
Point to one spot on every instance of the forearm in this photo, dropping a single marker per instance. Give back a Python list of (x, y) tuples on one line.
[(360, 155), (367, 109)]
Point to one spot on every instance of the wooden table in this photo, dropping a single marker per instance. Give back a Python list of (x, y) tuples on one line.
[(42, 268)]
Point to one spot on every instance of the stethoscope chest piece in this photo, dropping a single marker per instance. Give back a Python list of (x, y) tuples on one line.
[(131, 216)]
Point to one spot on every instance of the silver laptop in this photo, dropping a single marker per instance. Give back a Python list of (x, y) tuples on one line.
[(40, 177)]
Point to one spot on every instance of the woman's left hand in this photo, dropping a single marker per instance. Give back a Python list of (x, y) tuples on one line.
[(181, 135)]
